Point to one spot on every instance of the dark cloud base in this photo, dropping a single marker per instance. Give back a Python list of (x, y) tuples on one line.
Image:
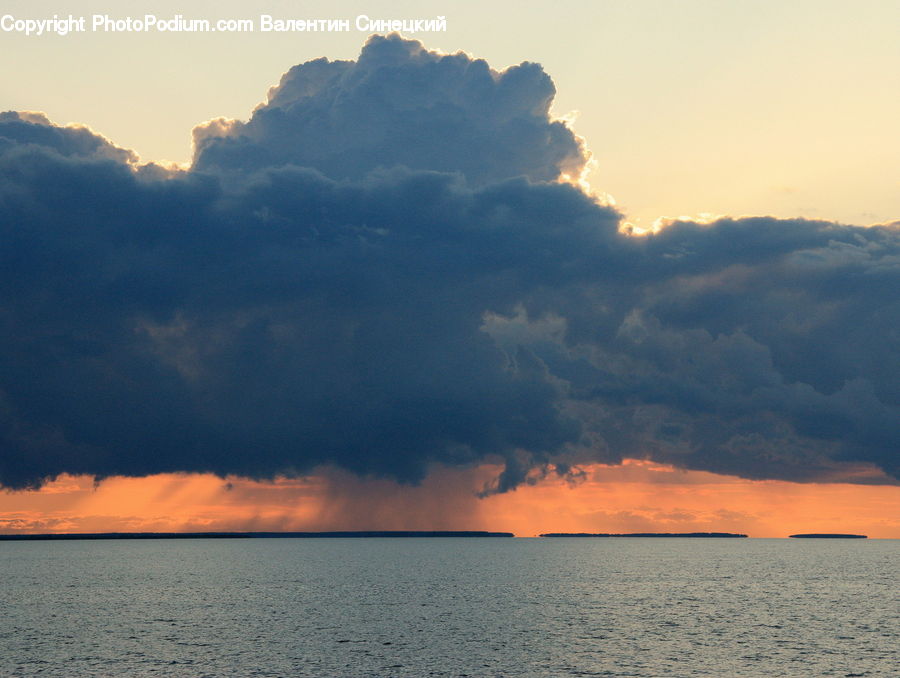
[(380, 271)]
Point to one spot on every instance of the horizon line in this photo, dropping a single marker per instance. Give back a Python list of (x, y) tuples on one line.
[(357, 534)]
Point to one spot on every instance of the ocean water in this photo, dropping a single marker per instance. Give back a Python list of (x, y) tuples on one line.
[(450, 607)]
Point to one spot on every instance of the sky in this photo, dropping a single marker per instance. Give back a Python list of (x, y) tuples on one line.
[(622, 267), (698, 107)]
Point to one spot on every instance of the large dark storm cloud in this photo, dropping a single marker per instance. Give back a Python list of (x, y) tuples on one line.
[(377, 271)]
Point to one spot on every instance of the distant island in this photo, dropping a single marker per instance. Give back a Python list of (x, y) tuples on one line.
[(828, 536), (251, 535), (712, 535)]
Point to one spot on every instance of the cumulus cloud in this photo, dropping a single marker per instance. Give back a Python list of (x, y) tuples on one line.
[(23, 129), (400, 104), (378, 271)]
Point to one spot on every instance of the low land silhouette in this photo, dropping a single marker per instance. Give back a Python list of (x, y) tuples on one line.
[(715, 535), (827, 535), (254, 535)]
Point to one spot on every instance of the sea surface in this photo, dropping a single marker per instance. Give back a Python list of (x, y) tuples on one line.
[(450, 607)]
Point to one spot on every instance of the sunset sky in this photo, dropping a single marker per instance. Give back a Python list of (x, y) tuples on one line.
[(694, 107), (645, 281), (637, 496)]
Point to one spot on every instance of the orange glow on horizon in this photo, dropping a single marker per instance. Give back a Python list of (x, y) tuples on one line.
[(636, 496)]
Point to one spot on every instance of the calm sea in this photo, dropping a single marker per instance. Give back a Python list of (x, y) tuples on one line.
[(450, 607)]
